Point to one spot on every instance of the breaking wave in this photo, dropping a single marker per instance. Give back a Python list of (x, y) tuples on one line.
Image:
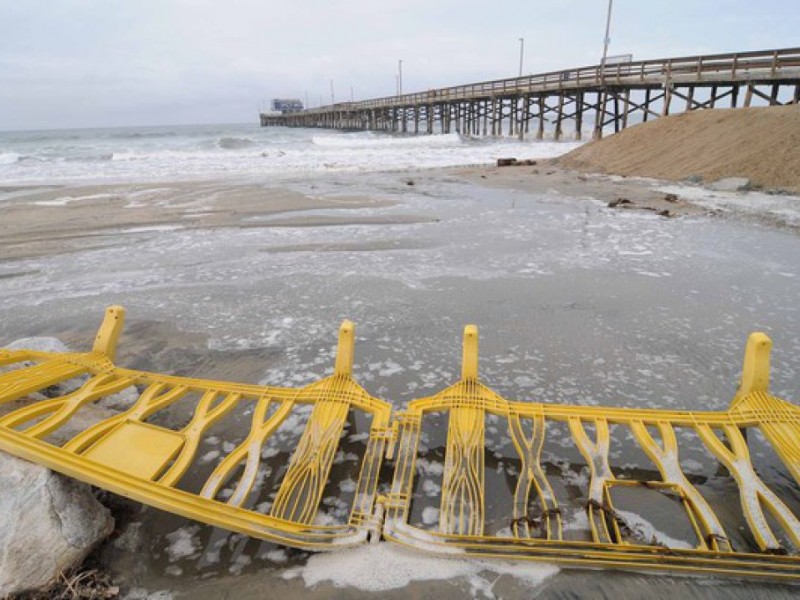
[(370, 140), (140, 135), (8, 158), (200, 151)]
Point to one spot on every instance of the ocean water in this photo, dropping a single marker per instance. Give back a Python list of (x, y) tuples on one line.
[(218, 151)]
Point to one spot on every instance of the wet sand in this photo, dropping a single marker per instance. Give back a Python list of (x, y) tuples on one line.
[(46, 220), (58, 219), (548, 177)]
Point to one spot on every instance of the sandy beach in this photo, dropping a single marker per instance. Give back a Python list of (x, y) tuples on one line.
[(39, 221), (57, 219), (759, 144)]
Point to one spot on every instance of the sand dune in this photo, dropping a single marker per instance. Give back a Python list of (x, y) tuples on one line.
[(762, 144)]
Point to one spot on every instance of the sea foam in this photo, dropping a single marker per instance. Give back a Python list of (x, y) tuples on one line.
[(215, 151)]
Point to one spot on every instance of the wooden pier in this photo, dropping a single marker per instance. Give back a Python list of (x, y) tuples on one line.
[(567, 102)]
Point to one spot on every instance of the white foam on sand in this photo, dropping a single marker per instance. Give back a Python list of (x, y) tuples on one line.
[(183, 543), (400, 566), (143, 594), (782, 208), (647, 533)]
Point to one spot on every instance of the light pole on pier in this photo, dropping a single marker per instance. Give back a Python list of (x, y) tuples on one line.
[(352, 95), (521, 50), (306, 104), (333, 101), (607, 39), (400, 77)]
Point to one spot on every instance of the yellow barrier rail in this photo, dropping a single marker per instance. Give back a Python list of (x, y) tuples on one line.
[(461, 511), (135, 453), (128, 455)]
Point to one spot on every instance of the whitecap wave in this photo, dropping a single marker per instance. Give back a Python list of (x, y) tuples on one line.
[(138, 135), (125, 156), (8, 158), (359, 140), (203, 151)]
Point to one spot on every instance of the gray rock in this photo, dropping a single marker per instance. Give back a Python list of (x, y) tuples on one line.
[(731, 184), (40, 344), (45, 344), (49, 524), (90, 414), (120, 401), (693, 179)]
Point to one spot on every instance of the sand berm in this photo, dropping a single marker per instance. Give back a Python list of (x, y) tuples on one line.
[(761, 144)]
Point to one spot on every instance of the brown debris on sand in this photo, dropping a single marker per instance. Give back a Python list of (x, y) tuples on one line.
[(90, 584), (619, 202), (619, 193), (513, 162)]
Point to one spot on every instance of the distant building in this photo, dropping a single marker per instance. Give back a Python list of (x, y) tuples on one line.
[(286, 105)]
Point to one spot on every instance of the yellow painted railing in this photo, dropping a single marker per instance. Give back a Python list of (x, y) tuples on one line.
[(128, 455), (132, 452)]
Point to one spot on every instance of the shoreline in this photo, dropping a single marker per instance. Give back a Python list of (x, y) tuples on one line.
[(62, 219), (46, 219), (546, 177)]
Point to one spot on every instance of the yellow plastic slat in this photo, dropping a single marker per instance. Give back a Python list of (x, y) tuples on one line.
[(137, 449), (462, 504), (596, 455), (666, 460), (533, 476), (753, 492), (249, 451), (301, 491)]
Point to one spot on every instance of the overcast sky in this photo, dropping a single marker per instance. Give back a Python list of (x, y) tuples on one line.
[(82, 63)]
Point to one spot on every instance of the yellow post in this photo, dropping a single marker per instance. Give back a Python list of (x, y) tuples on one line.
[(346, 349), (469, 360), (109, 332), (755, 372)]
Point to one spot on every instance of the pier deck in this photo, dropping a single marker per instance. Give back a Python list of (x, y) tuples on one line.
[(599, 97)]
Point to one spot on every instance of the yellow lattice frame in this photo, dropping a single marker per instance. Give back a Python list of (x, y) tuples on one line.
[(128, 456), (461, 505)]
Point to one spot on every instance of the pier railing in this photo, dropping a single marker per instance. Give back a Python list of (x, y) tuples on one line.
[(620, 93), (738, 66)]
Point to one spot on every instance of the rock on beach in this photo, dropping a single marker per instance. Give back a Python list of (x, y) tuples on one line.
[(49, 522)]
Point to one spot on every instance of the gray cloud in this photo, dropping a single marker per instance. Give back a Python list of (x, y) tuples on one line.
[(123, 62)]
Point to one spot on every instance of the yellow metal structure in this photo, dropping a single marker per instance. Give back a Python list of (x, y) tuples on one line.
[(126, 454), (134, 454), (461, 512)]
